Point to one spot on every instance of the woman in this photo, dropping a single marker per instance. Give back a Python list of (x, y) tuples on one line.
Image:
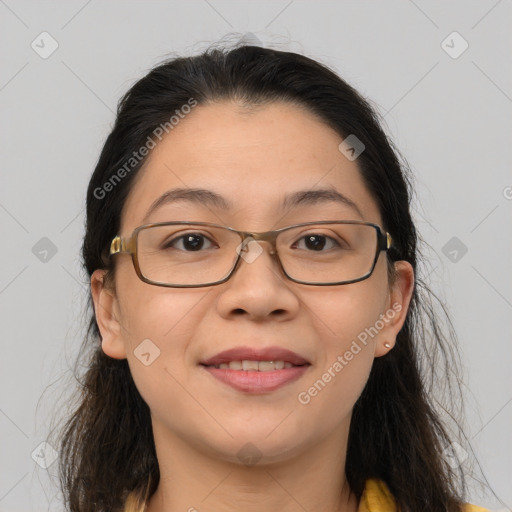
[(258, 329)]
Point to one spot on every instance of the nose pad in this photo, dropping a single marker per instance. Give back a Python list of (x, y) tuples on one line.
[(251, 249)]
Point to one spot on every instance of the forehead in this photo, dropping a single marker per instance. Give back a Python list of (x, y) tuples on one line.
[(256, 159)]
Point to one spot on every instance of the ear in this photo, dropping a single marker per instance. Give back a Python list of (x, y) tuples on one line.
[(106, 312), (397, 306)]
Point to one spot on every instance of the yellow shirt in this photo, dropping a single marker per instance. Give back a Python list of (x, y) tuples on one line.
[(376, 498)]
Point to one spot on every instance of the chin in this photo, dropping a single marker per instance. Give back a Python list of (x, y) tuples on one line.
[(258, 449)]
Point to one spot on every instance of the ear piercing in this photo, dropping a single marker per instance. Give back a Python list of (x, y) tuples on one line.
[(387, 345)]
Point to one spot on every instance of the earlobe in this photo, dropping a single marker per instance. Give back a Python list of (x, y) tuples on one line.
[(399, 298), (105, 312)]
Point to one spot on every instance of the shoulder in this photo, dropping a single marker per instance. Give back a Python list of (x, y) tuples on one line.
[(377, 498), (474, 508)]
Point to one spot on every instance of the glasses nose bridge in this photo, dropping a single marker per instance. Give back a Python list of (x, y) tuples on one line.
[(266, 236)]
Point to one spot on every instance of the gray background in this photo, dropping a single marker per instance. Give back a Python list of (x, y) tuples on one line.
[(450, 117)]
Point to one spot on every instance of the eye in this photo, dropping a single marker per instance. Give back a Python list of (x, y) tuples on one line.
[(188, 242), (317, 242)]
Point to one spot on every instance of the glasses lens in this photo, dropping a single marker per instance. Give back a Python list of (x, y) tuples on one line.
[(186, 254), (328, 253), (201, 255)]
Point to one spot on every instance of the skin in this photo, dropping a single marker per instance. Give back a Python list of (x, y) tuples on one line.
[(253, 157)]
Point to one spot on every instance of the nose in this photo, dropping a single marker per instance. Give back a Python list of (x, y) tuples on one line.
[(258, 288)]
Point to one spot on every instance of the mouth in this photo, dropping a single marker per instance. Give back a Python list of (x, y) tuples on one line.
[(250, 358), (253, 370), (257, 366)]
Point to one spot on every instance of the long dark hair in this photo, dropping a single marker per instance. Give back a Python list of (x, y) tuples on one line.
[(106, 447)]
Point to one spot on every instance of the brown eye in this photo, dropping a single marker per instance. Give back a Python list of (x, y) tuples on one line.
[(189, 243), (317, 242)]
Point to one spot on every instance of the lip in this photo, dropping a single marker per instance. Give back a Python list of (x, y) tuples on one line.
[(256, 382), (256, 354), (252, 381)]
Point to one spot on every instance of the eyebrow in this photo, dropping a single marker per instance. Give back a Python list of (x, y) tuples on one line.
[(204, 197)]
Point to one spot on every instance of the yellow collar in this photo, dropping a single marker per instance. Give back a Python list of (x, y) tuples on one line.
[(377, 498)]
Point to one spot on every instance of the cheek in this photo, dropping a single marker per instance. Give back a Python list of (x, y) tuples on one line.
[(326, 405), (349, 312), (158, 324), (346, 320), (154, 312), (347, 335)]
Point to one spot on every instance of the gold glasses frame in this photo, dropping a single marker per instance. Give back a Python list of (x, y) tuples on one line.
[(128, 245)]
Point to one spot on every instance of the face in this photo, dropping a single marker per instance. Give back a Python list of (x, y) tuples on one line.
[(253, 159)]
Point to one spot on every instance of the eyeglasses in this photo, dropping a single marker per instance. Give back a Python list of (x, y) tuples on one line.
[(196, 254)]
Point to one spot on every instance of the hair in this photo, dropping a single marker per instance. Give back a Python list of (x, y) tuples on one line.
[(107, 452)]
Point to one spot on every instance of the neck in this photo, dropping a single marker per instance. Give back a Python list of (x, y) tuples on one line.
[(192, 480)]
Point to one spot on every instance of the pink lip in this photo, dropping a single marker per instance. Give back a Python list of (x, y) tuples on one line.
[(252, 381), (256, 354)]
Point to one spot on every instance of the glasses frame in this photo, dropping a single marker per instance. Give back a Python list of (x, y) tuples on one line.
[(128, 245)]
